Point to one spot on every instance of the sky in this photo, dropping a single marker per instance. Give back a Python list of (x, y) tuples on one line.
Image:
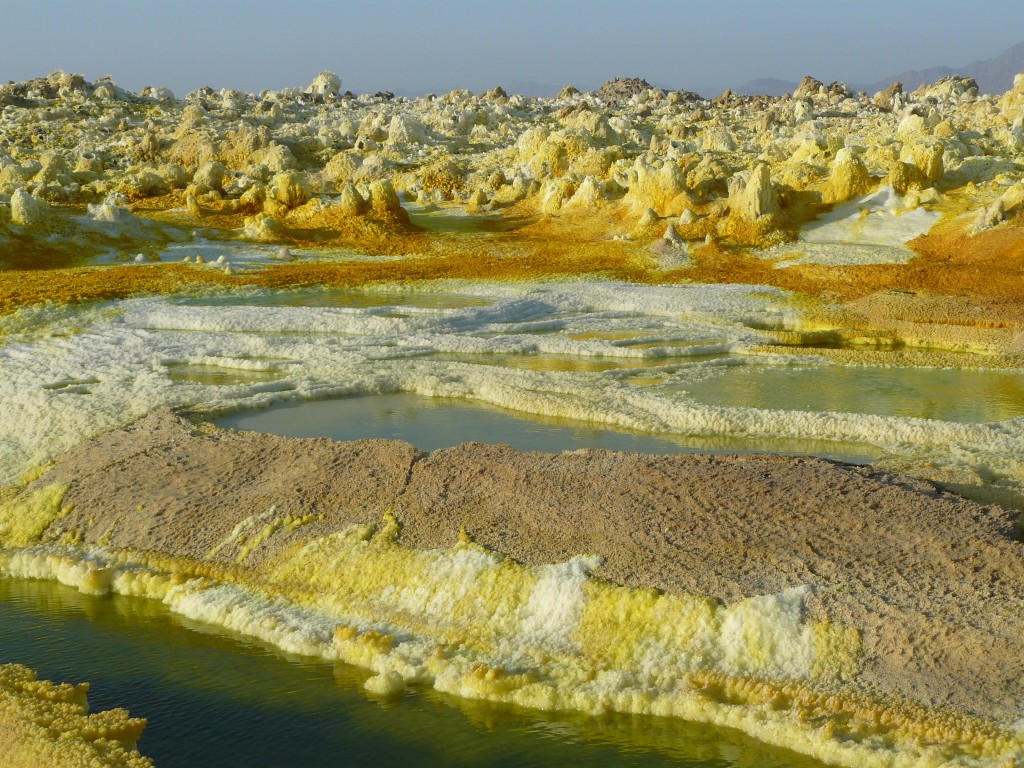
[(420, 47)]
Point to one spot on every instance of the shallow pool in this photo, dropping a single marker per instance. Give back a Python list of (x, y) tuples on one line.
[(948, 394), (213, 699), (432, 423), (683, 365)]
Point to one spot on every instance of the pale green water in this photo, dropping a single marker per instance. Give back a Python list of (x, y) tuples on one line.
[(458, 223), (949, 394), (215, 699), (432, 423), (219, 700)]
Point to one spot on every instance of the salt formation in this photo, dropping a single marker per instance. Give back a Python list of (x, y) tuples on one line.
[(32, 213), (629, 143), (789, 658), (325, 84), (751, 195), (607, 252), (33, 711)]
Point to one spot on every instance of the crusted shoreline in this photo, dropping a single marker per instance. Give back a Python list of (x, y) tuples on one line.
[(854, 614), (857, 590)]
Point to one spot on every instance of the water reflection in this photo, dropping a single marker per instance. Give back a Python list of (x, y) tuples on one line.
[(213, 698), (433, 423), (948, 394)]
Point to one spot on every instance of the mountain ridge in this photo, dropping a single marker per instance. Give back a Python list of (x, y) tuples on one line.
[(993, 75)]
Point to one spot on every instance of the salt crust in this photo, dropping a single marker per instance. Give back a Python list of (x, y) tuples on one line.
[(499, 621), (58, 388), (871, 229)]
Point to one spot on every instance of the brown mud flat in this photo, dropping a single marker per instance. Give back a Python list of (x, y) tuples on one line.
[(933, 583)]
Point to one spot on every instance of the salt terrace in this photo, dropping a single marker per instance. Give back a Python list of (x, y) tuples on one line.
[(622, 258)]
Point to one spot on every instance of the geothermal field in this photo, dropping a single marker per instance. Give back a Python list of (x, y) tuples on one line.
[(620, 412)]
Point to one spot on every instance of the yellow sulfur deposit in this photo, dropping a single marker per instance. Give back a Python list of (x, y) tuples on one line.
[(23, 520), (46, 725), (607, 253), (471, 622)]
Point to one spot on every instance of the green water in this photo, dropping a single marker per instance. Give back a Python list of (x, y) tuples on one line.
[(949, 394), (215, 699), (433, 423)]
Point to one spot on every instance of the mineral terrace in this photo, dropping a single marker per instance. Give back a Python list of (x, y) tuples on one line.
[(859, 615)]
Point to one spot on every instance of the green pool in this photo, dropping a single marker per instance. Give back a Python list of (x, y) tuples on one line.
[(216, 699), (431, 423)]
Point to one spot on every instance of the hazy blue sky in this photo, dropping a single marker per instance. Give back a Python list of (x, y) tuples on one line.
[(477, 44)]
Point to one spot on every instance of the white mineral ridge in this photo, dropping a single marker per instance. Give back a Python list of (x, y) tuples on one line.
[(58, 388), (872, 229), (875, 219)]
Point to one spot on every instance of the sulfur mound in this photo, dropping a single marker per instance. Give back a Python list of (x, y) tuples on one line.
[(849, 177)]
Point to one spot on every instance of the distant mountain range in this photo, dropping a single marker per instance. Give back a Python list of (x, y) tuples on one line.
[(993, 76)]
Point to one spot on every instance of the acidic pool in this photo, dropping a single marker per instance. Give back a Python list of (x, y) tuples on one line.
[(432, 423), (213, 698)]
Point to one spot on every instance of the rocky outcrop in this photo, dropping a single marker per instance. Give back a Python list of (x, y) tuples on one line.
[(891, 98), (848, 177), (324, 84), (809, 88), (751, 194), (623, 88)]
